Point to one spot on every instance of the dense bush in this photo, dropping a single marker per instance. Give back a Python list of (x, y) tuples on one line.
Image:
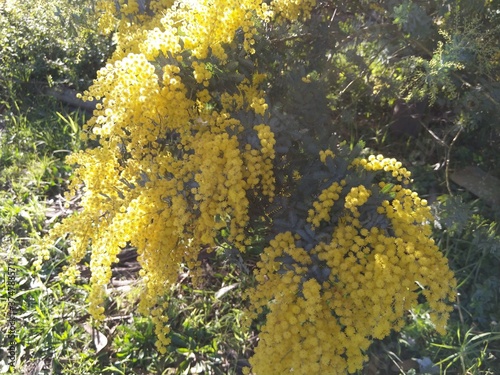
[(47, 42), (215, 123)]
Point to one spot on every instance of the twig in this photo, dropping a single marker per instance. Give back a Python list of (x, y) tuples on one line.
[(333, 17), (291, 37), (439, 140), (448, 153)]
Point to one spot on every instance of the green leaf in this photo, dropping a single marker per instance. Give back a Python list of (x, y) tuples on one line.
[(387, 188)]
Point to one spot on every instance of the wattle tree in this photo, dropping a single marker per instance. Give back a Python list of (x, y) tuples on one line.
[(213, 123)]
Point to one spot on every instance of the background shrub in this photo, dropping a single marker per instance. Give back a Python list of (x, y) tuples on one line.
[(48, 42)]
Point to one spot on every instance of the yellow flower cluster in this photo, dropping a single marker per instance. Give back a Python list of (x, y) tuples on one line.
[(220, 196), (171, 170), (324, 204), (301, 335), (129, 7), (264, 170), (201, 74), (355, 198), (323, 154), (292, 10), (206, 26), (326, 305), (378, 163), (249, 96), (107, 20)]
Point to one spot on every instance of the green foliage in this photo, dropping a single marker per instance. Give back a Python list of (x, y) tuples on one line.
[(420, 51), (46, 317), (452, 214), (475, 245), (470, 352), (47, 42), (32, 174), (32, 168), (413, 20), (207, 336)]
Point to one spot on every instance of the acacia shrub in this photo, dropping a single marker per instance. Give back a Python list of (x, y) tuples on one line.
[(193, 145)]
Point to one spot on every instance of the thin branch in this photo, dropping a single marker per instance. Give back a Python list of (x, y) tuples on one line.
[(448, 153)]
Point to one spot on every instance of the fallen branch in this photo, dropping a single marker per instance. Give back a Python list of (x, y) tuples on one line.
[(68, 96)]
